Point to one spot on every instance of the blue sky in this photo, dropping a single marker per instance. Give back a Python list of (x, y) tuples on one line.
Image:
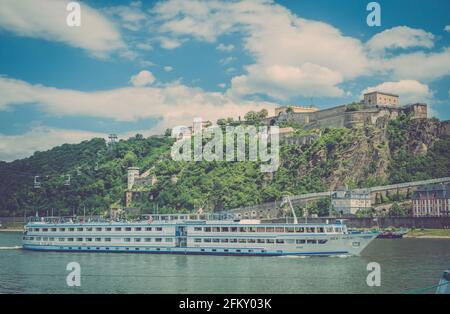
[(140, 67)]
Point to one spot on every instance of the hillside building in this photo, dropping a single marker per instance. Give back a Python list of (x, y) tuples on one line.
[(380, 99), (348, 202), (431, 200)]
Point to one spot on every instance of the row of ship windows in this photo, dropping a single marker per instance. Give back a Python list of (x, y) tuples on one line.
[(270, 229), (196, 240), (201, 229), (268, 241), (95, 229), (166, 249), (97, 239)]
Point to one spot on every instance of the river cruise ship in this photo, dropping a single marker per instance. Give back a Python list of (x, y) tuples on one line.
[(193, 234)]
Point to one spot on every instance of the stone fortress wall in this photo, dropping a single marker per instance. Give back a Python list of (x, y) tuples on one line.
[(349, 116)]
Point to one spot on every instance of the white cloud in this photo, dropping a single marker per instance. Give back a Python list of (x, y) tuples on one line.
[(168, 68), (168, 43), (418, 65), (39, 139), (131, 17), (175, 104), (143, 78), (227, 60), (222, 85), (410, 91), (273, 36), (283, 82), (226, 48), (447, 28), (46, 19), (400, 37), (277, 38)]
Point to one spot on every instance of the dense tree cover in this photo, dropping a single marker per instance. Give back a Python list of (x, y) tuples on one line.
[(405, 167), (98, 174)]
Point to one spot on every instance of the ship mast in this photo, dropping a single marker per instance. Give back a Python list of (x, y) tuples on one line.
[(286, 199)]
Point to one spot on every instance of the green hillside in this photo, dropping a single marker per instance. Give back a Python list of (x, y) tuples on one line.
[(402, 150)]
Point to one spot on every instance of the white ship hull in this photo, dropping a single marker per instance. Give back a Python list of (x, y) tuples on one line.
[(203, 237)]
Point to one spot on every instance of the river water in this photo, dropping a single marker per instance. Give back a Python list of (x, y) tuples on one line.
[(405, 264)]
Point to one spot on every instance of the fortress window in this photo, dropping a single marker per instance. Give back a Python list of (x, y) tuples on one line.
[(261, 241), (70, 239), (337, 229), (71, 229), (300, 241), (36, 229), (270, 229), (31, 238), (61, 239), (148, 229), (242, 240), (290, 229), (117, 229), (138, 229), (127, 229), (53, 229), (225, 229), (251, 241), (107, 239), (197, 240), (197, 228), (251, 229), (311, 241), (127, 240), (51, 239), (89, 229), (216, 240), (98, 229), (320, 229), (38, 238), (270, 241), (45, 239), (137, 239), (169, 240), (224, 240), (329, 229), (89, 239), (98, 239), (233, 240), (233, 229), (242, 229), (207, 229), (62, 229), (44, 229), (322, 241), (310, 229), (207, 240), (280, 241), (216, 229), (279, 229), (108, 229), (290, 241), (158, 240), (299, 229), (260, 229), (158, 228), (79, 229), (80, 239)]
